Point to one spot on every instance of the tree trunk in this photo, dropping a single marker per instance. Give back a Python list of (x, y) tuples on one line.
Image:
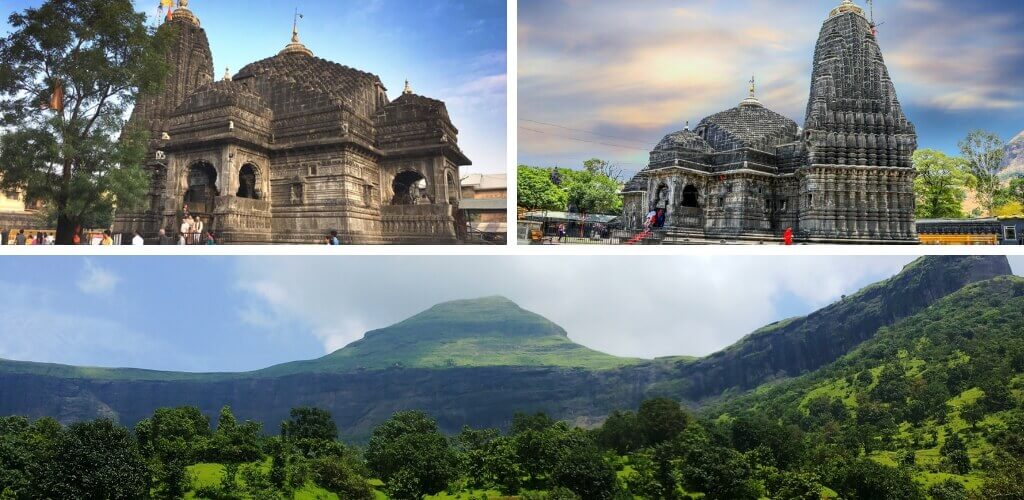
[(65, 230)]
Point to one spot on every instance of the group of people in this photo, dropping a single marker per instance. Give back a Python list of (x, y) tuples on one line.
[(39, 238), (655, 218)]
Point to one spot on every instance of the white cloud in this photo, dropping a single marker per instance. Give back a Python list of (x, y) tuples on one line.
[(628, 306), (96, 280), (38, 328)]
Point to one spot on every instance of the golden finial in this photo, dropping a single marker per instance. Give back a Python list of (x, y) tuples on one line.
[(296, 46), (182, 4), (845, 7), (408, 89), (751, 99)]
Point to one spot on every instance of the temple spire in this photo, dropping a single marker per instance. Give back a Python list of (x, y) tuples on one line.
[(296, 46), (227, 74), (753, 87), (408, 89), (184, 13)]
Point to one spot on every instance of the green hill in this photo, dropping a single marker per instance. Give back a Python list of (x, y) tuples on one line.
[(954, 369), (490, 331)]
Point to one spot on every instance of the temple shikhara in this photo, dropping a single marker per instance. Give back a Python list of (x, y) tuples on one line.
[(292, 147), (749, 173)]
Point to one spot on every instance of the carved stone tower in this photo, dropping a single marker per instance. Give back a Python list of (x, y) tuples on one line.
[(191, 66), (858, 181)]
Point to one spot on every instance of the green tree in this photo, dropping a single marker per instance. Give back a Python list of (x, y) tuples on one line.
[(100, 55), (719, 473), (172, 439), (582, 468), (522, 422), (940, 185), (535, 191), (621, 432), (984, 153), (592, 193), (98, 459), (972, 413), (1004, 483), (500, 466), (661, 419), (950, 489), (603, 167), (341, 476), (1015, 189), (309, 423), (411, 456), (954, 454), (865, 479)]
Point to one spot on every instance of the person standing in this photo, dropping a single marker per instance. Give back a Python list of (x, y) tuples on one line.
[(197, 228), (108, 240), (186, 226), (137, 240), (165, 239), (20, 238), (181, 238), (210, 239), (333, 240)]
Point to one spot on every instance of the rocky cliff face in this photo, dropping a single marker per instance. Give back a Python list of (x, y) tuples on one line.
[(488, 395), (1014, 157)]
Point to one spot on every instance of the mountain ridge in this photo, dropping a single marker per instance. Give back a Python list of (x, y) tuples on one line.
[(486, 394)]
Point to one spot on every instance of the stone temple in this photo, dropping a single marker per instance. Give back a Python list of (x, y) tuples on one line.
[(292, 147), (749, 173)]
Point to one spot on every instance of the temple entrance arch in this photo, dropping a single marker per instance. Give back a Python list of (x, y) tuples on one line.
[(202, 188), (410, 188), (691, 196), (661, 196), (248, 182)]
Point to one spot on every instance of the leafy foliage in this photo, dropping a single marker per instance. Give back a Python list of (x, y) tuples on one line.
[(941, 184), (101, 55)]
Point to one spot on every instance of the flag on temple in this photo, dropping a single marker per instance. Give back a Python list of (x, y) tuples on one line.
[(57, 97), (170, 12)]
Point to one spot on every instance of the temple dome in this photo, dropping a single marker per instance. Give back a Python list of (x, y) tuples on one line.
[(224, 93), (685, 139), (318, 79), (749, 125)]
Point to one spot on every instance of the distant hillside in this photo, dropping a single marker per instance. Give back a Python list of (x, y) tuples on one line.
[(479, 361), (797, 345), (491, 331), (1014, 163), (955, 368)]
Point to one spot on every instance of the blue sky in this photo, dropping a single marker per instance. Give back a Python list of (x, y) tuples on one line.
[(628, 76), (242, 313), (449, 50)]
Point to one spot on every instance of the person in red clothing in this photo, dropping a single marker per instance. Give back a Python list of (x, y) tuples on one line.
[(787, 236)]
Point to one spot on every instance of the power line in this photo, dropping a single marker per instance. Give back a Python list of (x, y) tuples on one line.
[(584, 140), (584, 131)]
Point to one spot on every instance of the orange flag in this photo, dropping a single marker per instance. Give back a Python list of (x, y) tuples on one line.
[(57, 98), (170, 11)]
